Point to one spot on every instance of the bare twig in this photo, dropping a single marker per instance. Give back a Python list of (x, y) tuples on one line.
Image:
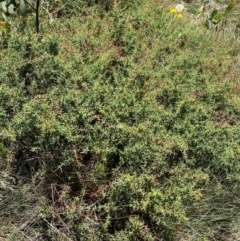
[(63, 234), (22, 233)]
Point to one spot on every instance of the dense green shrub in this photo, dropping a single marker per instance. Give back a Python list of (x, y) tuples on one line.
[(127, 124)]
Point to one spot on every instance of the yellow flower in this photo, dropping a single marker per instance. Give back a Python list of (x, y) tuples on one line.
[(173, 10), (180, 15)]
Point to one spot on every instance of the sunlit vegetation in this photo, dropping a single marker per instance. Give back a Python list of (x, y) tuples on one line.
[(119, 120)]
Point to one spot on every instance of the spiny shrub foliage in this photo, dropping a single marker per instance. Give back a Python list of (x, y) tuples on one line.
[(128, 125)]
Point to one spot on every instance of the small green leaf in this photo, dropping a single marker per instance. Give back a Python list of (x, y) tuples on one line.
[(229, 8), (214, 12), (4, 6), (217, 17), (11, 8)]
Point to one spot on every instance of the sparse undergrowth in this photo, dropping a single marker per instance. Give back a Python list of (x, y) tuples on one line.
[(119, 124)]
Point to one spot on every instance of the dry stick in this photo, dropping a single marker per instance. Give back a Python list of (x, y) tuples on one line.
[(22, 233), (57, 230), (36, 10), (54, 11), (37, 15)]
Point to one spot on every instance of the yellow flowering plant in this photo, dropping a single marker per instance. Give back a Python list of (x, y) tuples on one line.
[(173, 10), (180, 15), (178, 10)]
